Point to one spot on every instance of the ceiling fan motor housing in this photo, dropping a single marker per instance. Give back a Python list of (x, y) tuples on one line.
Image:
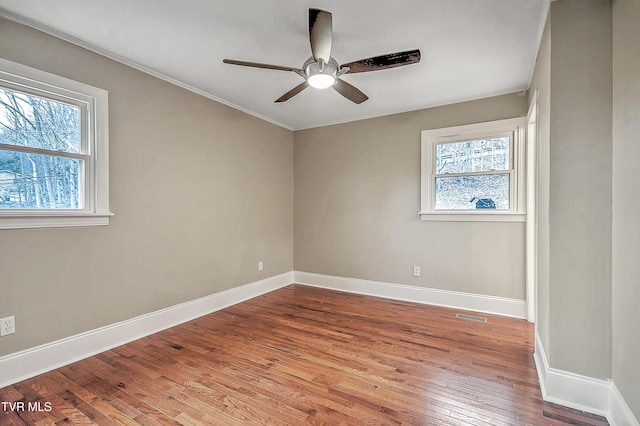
[(320, 75)]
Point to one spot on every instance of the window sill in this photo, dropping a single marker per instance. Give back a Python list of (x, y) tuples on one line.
[(472, 216), (52, 220)]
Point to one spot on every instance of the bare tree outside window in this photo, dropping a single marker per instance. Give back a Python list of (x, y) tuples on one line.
[(38, 138)]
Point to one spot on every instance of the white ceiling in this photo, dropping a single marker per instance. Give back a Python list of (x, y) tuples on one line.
[(470, 48)]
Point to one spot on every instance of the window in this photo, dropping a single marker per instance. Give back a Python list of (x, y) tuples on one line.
[(474, 172), (54, 153)]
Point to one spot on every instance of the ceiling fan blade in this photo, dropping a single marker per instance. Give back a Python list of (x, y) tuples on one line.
[(384, 62), (350, 92), (291, 93), (320, 34), (259, 65)]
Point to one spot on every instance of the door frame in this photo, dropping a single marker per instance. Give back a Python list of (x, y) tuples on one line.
[(531, 225)]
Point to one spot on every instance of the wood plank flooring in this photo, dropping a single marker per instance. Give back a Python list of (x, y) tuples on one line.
[(303, 355)]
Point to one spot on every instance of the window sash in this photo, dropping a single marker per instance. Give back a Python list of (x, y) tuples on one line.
[(492, 172), (485, 137), (510, 171), (86, 163), (511, 174), (83, 103), (49, 152)]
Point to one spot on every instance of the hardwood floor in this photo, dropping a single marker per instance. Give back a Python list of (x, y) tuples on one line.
[(303, 355)]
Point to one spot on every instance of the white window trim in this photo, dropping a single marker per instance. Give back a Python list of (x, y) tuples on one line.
[(429, 139), (96, 210)]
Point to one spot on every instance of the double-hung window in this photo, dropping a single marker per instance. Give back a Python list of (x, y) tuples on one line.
[(54, 168), (474, 172)]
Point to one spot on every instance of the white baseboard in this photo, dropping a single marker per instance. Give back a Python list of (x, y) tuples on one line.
[(583, 393), (569, 389), (452, 299), (31, 362), (619, 412)]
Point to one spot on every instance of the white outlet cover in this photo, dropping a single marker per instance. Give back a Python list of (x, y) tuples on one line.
[(7, 326)]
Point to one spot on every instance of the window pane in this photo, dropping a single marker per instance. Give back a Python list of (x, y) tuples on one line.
[(33, 181), (36, 122), (473, 156), (473, 192)]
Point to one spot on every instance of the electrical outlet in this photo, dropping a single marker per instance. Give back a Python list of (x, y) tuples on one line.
[(416, 271), (260, 265), (7, 326)]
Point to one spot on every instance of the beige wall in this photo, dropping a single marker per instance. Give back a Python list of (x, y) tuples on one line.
[(626, 185), (200, 193), (357, 197), (580, 187), (573, 79)]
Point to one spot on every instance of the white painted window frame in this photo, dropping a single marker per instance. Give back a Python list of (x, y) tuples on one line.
[(94, 105), (515, 127)]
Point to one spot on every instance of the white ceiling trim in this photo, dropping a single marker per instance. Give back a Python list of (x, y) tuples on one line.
[(521, 92), (66, 37)]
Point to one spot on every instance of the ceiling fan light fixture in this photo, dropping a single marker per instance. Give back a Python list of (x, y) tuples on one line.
[(321, 80), (320, 76)]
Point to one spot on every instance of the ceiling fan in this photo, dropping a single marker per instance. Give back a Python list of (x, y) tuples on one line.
[(322, 71)]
